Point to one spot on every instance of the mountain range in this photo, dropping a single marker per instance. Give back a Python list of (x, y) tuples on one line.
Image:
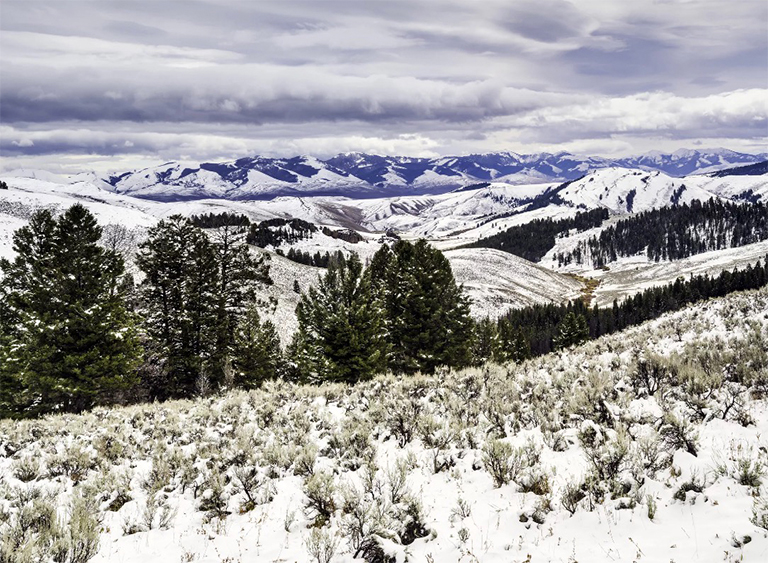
[(367, 175)]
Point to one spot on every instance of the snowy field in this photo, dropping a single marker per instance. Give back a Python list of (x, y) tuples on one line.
[(591, 454)]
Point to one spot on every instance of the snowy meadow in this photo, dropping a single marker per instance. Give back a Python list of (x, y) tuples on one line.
[(646, 445)]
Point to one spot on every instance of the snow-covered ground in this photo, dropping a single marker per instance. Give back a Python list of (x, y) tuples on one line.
[(408, 463)]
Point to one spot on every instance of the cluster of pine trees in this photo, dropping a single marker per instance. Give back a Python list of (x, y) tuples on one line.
[(274, 232), (223, 219), (533, 240), (541, 329), (75, 332), (672, 233), (317, 259), (403, 313)]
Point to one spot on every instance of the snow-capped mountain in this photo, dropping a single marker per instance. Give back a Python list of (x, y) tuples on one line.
[(365, 175)]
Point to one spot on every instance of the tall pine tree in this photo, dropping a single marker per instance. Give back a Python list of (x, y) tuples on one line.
[(427, 313), (180, 303), (68, 341), (341, 333)]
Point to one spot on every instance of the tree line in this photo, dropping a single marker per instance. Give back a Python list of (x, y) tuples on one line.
[(540, 329), (76, 331), (534, 239), (672, 233)]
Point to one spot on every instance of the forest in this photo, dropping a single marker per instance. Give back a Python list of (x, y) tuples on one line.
[(672, 233)]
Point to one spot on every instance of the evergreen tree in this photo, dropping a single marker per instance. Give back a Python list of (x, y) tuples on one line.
[(427, 313), (513, 345), (257, 356), (572, 330), (68, 341), (341, 333), (180, 302), (486, 345), (240, 275)]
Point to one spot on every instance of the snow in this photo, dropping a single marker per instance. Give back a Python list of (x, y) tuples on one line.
[(496, 525)]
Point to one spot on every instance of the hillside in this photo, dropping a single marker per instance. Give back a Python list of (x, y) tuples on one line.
[(622, 449)]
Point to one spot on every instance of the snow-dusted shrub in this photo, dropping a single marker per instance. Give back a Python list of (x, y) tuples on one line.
[(26, 468), (571, 496), (743, 464), (503, 462), (74, 462), (678, 433), (305, 461), (397, 481), (363, 521), (649, 456), (592, 396), (411, 518), (695, 484), (760, 510), (351, 444), (321, 545), (320, 490), (214, 499), (402, 418), (29, 529), (79, 538), (650, 374)]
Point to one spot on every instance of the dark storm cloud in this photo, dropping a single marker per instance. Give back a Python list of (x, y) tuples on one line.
[(111, 78)]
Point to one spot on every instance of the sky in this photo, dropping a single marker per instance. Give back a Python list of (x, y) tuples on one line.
[(112, 85)]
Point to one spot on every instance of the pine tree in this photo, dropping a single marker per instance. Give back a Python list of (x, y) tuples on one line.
[(572, 330), (427, 313), (486, 345), (341, 333), (240, 276), (257, 356), (69, 342), (180, 303), (513, 346)]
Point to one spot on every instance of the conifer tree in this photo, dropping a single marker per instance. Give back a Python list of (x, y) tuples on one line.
[(572, 330), (514, 345), (180, 303), (69, 342), (486, 345), (240, 275), (341, 333), (257, 355), (427, 313)]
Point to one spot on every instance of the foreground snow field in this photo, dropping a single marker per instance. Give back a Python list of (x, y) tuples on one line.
[(584, 455)]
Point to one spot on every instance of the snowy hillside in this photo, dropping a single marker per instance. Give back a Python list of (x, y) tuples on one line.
[(586, 455), (498, 281)]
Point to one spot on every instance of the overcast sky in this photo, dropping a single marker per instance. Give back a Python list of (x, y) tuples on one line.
[(118, 84)]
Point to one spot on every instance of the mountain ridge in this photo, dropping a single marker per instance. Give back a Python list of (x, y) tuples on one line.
[(368, 175)]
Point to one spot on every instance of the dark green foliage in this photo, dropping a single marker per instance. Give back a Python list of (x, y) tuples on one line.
[(533, 240), (542, 325), (571, 330), (427, 313), (195, 292), (67, 341), (347, 235), (317, 260), (672, 233), (215, 220), (275, 232), (3, 185), (256, 356), (486, 345), (180, 300), (341, 333)]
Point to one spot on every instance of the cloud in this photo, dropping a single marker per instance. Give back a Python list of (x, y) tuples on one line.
[(216, 80)]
